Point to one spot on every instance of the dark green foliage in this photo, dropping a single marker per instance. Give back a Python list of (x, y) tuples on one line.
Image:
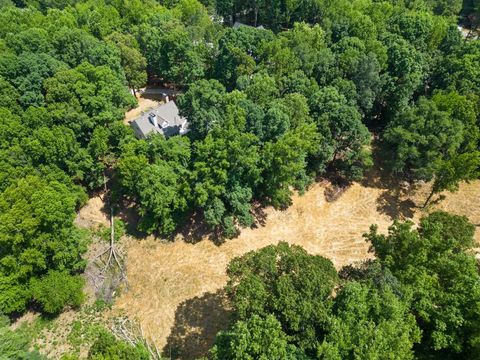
[(133, 63), (346, 137), (288, 283), (225, 173), (421, 138), (203, 106), (285, 163), (157, 178)]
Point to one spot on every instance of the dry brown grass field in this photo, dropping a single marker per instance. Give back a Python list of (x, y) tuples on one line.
[(175, 288)]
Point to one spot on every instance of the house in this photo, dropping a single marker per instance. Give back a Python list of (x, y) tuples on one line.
[(164, 119), (238, 24)]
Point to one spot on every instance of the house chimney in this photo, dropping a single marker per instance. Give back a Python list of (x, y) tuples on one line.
[(166, 99), (153, 119)]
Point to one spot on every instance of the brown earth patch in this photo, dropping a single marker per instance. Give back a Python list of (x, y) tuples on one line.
[(93, 215), (143, 106)]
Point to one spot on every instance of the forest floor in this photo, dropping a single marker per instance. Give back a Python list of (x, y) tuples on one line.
[(175, 288)]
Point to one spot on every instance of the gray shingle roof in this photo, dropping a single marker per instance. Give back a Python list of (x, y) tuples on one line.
[(168, 119)]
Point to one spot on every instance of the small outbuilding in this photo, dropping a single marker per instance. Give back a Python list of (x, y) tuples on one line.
[(238, 24), (164, 119)]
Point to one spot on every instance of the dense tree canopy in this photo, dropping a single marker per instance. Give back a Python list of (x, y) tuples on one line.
[(441, 279), (293, 91), (418, 300)]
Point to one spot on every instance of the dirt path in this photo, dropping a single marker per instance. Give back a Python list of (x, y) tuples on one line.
[(174, 288)]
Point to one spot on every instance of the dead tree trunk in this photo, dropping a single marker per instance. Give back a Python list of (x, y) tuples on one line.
[(113, 256), (429, 198)]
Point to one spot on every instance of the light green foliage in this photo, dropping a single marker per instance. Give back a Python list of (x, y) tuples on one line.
[(195, 17), (36, 234), (78, 90), (133, 63), (119, 231), (369, 323), (98, 18), (56, 290), (15, 344), (285, 163), (255, 338), (441, 279), (106, 347)]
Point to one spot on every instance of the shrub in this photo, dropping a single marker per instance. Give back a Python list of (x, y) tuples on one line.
[(56, 290)]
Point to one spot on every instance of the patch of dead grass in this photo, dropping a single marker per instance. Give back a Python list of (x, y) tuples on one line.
[(144, 105), (164, 276)]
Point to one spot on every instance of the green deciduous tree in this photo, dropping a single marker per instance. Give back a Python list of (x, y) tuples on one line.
[(87, 96), (56, 290), (255, 338), (442, 280), (370, 323), (346, 136), (462, 167), (226, 169), (421, 139), (203, 106), (36, 234), (288, 283), (133, 63), (158, 180), (106, 347), (285, 163)]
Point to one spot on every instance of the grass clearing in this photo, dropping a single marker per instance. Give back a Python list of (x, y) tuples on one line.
[(174, 288)]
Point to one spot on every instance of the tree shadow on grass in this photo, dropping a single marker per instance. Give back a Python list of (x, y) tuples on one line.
[(395, 199), (259, 215), (390, 203), (195, 229), (197, 321)]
